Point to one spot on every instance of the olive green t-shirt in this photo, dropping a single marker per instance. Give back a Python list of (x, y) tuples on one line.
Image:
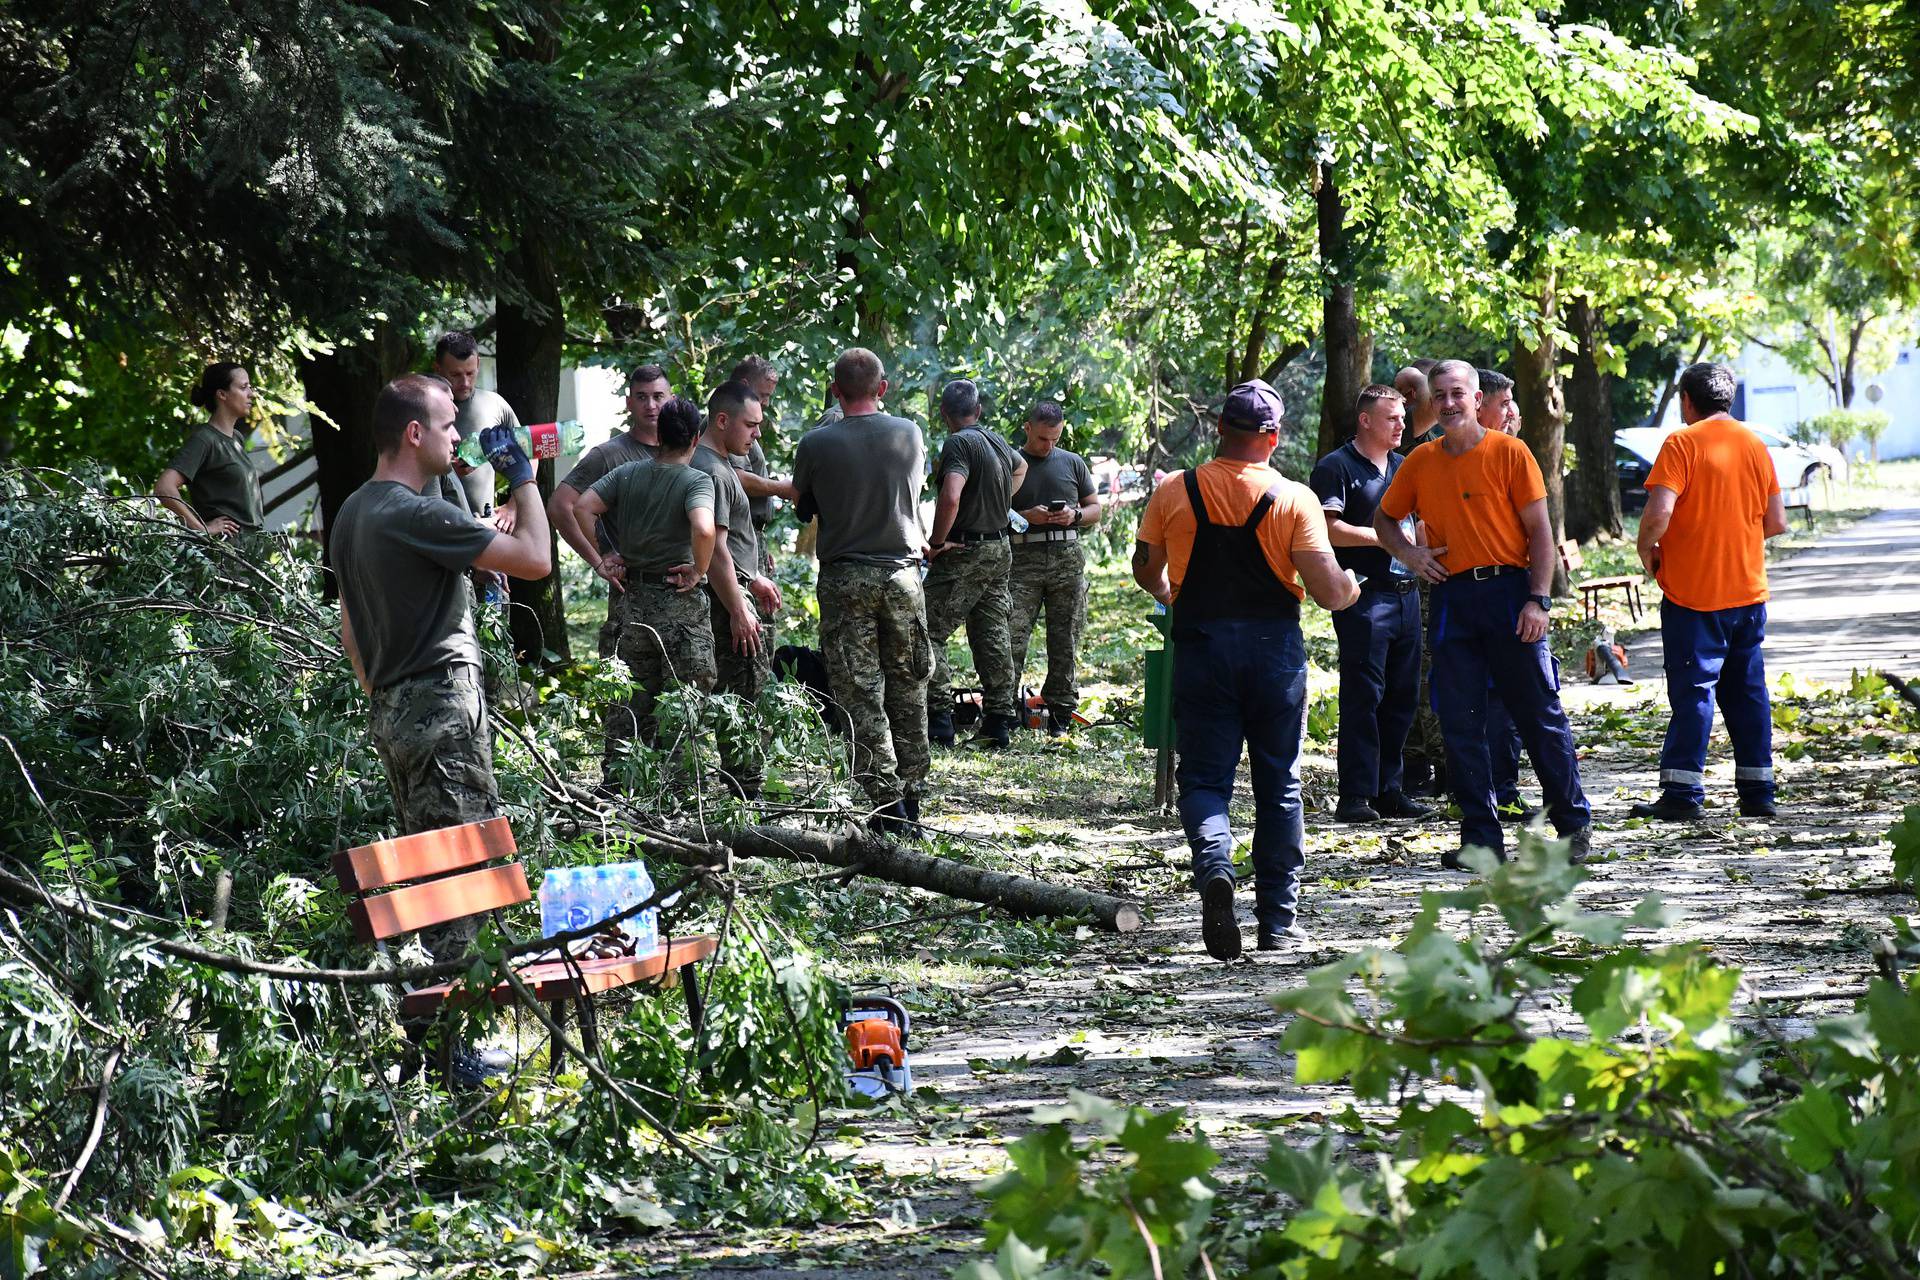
[(401, 559), (650, 506), (597, 462), (220, 477), (754, 461), (479, 411), (864, 474), (731, 511), (987, 462), (1058, 477)]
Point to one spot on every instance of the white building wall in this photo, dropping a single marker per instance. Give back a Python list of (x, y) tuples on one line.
[(1778, 397)]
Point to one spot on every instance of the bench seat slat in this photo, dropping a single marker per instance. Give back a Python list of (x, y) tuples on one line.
[(420, 906), (430, 853), (1608, 584), (551, 980)]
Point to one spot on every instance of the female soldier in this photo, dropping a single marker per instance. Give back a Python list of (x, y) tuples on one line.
[(214, 461)]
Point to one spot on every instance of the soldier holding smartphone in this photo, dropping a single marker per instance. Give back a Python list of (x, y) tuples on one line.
[(1049, 570)]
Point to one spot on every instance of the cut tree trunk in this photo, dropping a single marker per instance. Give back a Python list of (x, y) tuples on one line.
[(1593, 497), (865, 853), (1349, 349), (342, 385), (527, 348), (1543, 418)]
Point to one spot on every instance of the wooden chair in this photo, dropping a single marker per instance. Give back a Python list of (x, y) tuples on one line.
[(1800, 498), (1591, 589), (415, 882)]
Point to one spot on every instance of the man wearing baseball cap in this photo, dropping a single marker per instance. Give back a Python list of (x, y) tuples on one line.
[(1227, 547)]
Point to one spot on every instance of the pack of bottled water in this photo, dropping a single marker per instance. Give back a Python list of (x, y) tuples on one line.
[(573, 898)]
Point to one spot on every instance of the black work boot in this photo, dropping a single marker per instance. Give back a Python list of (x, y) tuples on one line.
[(891, 820), (1669, 808), (996, 732), (1219, 930), (940, 728), (1758, 806), (1058, 726), (1397, 804), (1355, 809)]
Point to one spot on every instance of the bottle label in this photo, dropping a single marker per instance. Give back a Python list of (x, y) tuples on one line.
[(544, 440)]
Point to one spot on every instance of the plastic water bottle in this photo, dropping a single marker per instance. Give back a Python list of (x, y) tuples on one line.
[(561, 905), (1016, 521), (643, 927), (541, 440)]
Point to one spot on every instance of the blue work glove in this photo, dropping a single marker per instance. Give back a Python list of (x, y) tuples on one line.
[(506, 455)]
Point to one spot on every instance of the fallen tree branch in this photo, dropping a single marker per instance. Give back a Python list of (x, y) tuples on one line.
[(874, 855), (1903, 688)]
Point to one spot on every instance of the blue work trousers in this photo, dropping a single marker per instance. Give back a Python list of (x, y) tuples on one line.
[(1243, 680), (1478, 658), (1379, 689), (1503, 750), (1713, 655)]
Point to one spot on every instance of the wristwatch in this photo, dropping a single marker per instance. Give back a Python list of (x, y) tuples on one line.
[(1545, 603)]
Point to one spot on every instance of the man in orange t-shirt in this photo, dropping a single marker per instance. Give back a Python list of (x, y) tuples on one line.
[(1227, 546), (1480, 494), (1712, 502)]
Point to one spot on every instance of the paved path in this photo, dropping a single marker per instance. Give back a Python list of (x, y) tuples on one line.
[(1850, 602)]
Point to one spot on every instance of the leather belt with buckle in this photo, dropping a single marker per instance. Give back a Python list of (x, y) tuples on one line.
[(1047, 535), (992, 535), (1481, 572), (1397, 585)]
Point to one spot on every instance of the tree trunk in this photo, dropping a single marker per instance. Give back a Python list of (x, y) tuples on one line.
[(527, 349), (1543, 418), (342, 385), (864, 853), (1349, 349), (1593, 500)]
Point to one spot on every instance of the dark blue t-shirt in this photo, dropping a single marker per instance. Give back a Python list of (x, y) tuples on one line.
[(1349, 487)]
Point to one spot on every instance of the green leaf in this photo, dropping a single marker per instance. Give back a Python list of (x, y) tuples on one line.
[(1813, 1127), (1894, 1016)]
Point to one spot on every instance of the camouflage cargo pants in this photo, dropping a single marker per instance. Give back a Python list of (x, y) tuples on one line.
[(873, 629), (665, 637), (743, 675), (1053, 576), (968, 584), (1425, 753), (431, 733)]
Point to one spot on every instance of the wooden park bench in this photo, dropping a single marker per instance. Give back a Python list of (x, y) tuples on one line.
[(415, 882), (1800, 498), (1591, 589)]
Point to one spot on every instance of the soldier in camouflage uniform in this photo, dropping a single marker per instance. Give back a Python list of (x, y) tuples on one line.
[(647, 391), (401, 553), (1049, 571), (977, 475), (660, 515), (861, 476), (760, 377)]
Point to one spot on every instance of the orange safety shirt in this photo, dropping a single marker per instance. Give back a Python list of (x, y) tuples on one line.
[(1713, 554), (1471, 504), (1230, 488)]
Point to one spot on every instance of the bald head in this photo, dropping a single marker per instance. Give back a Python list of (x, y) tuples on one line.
[(1411, 383)]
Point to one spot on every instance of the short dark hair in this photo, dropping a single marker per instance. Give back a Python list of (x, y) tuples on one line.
[(751, 369), (1708, 387), (679, 424), (858, 373), (408, 398), (1493, 382), (646, 373), (457, 343), (730, 398), (960, 401), (1045, 413), (1374, 394), (215, 379)]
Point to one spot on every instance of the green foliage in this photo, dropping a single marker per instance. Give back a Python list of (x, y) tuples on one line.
[(1841, 427), (1662, 1141)]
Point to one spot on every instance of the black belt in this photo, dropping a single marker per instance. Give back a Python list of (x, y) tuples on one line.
[(1481, 572), (992, 535), (658, 580), (1397, 585)]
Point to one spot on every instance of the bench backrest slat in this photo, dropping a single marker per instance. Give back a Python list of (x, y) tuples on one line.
[(430, 853), (421, 906), (1570, 555)]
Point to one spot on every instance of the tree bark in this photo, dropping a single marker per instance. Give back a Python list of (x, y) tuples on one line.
[(1593, 499), (342, 384), (1349, 349), (1543, 418), (864, 853), (527, 350)]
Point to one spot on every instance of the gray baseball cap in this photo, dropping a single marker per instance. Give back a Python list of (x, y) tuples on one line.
[(1252, 406)]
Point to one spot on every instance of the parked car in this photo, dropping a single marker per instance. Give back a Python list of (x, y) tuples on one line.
[(1794, 464)]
